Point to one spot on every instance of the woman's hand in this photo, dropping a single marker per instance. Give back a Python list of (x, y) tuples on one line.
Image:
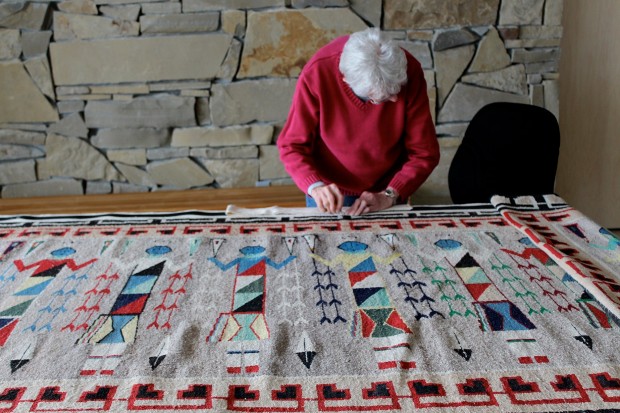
[(328, 198), (371, 202)]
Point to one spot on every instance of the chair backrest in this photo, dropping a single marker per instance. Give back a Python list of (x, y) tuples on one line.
[(508, 149)]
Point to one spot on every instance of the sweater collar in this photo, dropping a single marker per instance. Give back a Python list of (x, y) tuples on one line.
[(357, 101)]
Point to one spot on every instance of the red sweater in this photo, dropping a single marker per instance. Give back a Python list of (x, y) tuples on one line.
[(331, 135)]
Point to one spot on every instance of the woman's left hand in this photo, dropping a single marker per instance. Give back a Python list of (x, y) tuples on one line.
[(370, 202)]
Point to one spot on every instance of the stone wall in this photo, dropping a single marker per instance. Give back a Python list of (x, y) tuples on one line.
[(108, 96)]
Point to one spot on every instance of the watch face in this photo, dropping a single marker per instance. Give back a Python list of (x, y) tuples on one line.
[(390, 193)]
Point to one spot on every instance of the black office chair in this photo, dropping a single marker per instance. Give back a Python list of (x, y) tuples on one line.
[(508, 149)]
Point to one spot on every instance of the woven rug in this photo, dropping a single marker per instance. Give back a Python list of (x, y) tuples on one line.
[(503, 307)]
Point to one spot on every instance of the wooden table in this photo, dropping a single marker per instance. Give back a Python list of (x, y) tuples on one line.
[(164, 201)]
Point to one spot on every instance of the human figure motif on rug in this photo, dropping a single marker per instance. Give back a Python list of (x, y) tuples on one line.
[(45, 272), (111, 333), (245, 323), (497, 313), (375, 316)]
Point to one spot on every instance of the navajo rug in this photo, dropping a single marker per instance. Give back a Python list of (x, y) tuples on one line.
[(502, 307)]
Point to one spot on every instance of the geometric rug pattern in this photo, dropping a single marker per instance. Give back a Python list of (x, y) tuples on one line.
[(501, 307)]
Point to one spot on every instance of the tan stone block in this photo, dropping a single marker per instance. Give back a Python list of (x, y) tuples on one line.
[(156, 111), (127, 12), (536, 55), (511, 79), (280, 42), (531, 43), (300, 4), (245, 102), (190, 6), (454, 38), (229, 152), (72, 90), (158, 154), (135, 175), (127, 156), (138, 59), (39, 70), (429, 78), (420, 35), (76, 26), (42, 171), (451, 130), (509, 33), (541, 67), (203, 111), (450, 65), (432, 102), (537, 95), (196, 93), (552, 97), (74, 157), (491, 54), (98, 187), (70, 106), (16, 172), (235, 173), (179, 23), (21, 137), (125, 188), (541, 32), (465, 100), (229, 66), (20, 98), (370, 10), (10, 45), (23, 15), (78, 6), (420, 50), (553, 12), (233, 22), (179, 173), (52, 187), (135, 89), (167, 86), (35, 43), (270, 165), (425, 14), (214, 137), (115, 2), (34, 127), (70, 125), (84, 97), (521, 12), (162, 8), (262, 134), (131, 138)]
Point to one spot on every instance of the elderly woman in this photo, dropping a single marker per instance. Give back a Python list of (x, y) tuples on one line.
[(359, 132)]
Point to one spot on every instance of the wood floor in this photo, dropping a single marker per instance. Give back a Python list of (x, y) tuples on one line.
[(169, 201)]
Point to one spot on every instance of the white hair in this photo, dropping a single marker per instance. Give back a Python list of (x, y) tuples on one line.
[(373, 65)]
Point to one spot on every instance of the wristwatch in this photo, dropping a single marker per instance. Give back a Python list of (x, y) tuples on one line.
[(390, 193)]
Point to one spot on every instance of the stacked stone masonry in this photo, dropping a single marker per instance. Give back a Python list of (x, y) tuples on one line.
[(108, 96)]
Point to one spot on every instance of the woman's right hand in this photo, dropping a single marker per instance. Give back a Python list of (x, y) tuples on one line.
[(328, 198)]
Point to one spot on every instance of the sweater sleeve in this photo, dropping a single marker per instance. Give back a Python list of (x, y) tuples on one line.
[(420, 141), (297, 139)]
